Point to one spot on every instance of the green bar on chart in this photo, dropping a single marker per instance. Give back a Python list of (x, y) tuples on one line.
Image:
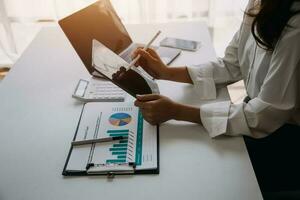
[(123, 141), (117, 149), (119, 153), (139, 140), (118, 134), (120, 145), (121, 157), (118, 131)]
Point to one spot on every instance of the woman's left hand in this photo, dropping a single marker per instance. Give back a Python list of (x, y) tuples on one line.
[(156, 108)]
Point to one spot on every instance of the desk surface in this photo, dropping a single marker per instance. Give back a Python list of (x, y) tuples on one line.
[(38, 119)]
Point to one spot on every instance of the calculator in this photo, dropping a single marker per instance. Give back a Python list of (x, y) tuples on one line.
[(98, 90)]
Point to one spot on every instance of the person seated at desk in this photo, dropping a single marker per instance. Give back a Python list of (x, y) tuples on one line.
[(265, 54)]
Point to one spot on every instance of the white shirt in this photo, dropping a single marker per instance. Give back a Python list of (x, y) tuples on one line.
[(272, 81)]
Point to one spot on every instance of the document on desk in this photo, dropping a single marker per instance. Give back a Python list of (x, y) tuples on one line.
[(136, 141)]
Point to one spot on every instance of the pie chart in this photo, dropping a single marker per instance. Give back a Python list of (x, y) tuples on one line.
[(120, 119)]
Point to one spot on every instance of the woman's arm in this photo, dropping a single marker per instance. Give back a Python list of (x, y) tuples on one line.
[(277, 102), (204, 77), (151, 63), (223, 71), (157, 109), (187, 113), (179, 74)]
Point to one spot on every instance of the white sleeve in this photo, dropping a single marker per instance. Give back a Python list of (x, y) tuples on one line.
[(275, 104), (223, 71)]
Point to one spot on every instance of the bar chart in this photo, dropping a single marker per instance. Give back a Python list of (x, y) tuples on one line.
[(118, 150), (127, 139), (126, 150)]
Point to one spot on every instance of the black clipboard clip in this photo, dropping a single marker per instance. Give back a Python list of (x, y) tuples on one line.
[(120, 168)]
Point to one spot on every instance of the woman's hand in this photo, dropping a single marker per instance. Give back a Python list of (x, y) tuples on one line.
[(156, 109), (151, 63)]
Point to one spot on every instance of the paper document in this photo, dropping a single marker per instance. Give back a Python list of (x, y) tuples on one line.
[(100, 120)]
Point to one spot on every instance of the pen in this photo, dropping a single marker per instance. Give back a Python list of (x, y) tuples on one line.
[(99, 140), (132, 63)]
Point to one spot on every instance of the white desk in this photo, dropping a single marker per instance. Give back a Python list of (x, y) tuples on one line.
[(38, 118)]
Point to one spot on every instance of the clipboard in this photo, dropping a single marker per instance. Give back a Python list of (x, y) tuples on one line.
[(125, 168)]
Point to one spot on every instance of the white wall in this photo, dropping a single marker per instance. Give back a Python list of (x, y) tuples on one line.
[(27, 16)]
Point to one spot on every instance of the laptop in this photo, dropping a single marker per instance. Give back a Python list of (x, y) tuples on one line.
[(100, 22)]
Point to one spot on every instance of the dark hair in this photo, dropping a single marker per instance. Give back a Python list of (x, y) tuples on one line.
[(270, 20)]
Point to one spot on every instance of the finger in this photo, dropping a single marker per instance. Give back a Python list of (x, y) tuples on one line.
[(152, 52), (142, 105), (147, 116), (145, 106), (135, 52), (148, 97), (150, 121), (150, 117), (138, 103), (138, 48), (145, 54), (138, 63)]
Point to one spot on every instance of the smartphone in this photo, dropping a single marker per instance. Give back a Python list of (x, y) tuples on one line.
[(188, 45)]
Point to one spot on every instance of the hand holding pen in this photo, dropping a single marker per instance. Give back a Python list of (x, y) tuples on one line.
[(150, 61), (134, 61)]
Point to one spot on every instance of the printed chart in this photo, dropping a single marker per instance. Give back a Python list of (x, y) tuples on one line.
[(120, 119)]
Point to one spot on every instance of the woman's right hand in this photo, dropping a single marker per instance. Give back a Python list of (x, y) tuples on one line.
[(151, 63)]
